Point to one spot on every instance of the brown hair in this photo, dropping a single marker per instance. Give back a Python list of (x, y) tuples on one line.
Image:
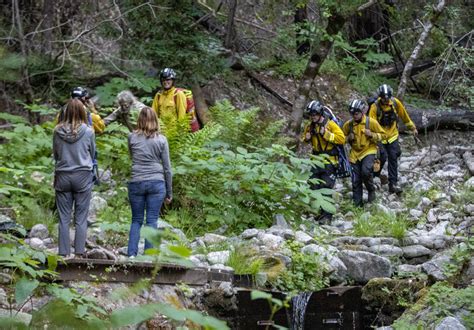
[(147, 123), (73, 116)]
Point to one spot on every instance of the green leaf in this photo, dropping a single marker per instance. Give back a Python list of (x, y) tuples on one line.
[(255, 294), (180, 250), (24, 288)]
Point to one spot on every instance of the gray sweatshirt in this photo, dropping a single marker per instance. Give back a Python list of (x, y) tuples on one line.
[(73, 152), (150, 160)]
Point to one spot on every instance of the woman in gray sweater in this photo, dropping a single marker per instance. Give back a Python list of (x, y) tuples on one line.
[(151, 180), (73, 149)]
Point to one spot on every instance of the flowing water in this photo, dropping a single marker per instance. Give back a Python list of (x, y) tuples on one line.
[(299, 304)]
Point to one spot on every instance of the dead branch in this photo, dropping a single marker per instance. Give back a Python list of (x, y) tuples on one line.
[(265, 86), (427, 27)]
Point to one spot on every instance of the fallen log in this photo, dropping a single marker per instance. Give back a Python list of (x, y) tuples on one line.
[(265, 86), (429, 119), (395, 71)]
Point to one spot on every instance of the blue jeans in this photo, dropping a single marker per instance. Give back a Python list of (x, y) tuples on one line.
[(144, 196)]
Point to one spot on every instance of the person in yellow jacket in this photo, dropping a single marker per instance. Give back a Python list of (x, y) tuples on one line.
[(169, 103), (323, 134), (386, 110), (93, 118), (363, 134)]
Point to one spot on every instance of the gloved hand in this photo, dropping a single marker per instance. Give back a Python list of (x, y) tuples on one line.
[(415, 131)]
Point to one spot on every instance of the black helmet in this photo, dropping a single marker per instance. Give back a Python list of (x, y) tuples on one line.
[(79, 92), (315, 108), (167, 73), (356, 106), (385, 91)]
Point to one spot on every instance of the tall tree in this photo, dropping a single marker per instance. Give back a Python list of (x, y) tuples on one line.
[(338, 13), (427, 27)]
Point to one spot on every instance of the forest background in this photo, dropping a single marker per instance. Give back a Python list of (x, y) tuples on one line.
[(252, 67)]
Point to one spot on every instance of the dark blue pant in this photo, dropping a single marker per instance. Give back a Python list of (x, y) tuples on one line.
[(362, 174), (144, 196), (391, 151), (328, 179)]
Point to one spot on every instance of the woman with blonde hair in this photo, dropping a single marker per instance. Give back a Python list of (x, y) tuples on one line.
[(73, 150), (151, 178)]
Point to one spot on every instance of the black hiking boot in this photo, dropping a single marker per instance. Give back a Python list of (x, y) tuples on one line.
[(394, 189), (371, 196)]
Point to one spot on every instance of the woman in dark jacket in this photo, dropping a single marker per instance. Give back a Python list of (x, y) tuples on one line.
[(74, 149), (151, 180)]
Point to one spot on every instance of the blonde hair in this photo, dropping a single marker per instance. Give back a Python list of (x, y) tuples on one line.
[(73, 116), (147, 123)]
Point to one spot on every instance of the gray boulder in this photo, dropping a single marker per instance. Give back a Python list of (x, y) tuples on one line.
[(97, 204), (218, 257), (40, 231), (363, 266), (435, 268), (386, 250), (450, 323), (249, 233), (415, 251), (210, 239)]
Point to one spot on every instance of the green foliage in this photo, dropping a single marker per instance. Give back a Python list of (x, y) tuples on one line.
[(379, 223), (441, 301), (244, 189), (173, 41), (26, 171), (306, 272), (138, 83), (460, 257), (245, 260)]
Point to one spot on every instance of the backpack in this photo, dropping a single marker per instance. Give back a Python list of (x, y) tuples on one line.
[(343, 168), (190, 110), (386, 118)]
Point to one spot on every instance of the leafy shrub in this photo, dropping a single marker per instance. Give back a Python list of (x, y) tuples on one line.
[(305, 273)]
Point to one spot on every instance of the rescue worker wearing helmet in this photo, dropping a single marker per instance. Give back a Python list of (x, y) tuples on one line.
[(94, 119), (363, 134), (323, 134), (387, 110), (169, 103)]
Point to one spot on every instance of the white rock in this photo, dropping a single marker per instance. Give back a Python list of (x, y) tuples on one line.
[(416, 214), (422, 185), (450, 323), (249, 233), (302, 237), (439, 229), (414, 251), (211, 239), (97, 204), (39, 231), (271, 241), (218, 257), (469, 183), (37, 243)]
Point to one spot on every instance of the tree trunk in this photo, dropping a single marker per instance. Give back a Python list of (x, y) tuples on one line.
[(319, 54), (48, 19), (301, 16), (230, 28), (436, 119), (428, 26), (200, 104)]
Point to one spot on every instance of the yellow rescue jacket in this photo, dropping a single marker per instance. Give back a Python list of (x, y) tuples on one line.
[(324, 144), (165, 106), (362, 145), (400, 112)]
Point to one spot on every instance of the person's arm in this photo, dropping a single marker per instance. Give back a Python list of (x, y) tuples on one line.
[(378, 133), (165, 161), (181, 105), (403, 114), (92, 145), (334, 134), (305, 137), (112, 117), (155, 105), (55, 147), (97, 123), (129, 147)]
